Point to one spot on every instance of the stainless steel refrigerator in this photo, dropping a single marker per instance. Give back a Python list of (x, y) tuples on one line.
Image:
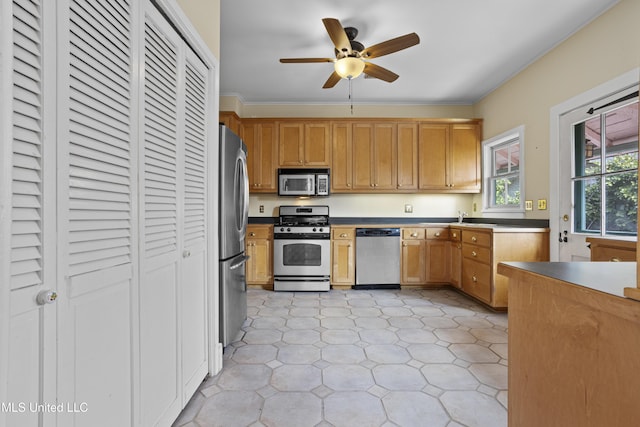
[(234, 211)]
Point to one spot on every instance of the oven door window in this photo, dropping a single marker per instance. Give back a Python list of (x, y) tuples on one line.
[(302, 255)]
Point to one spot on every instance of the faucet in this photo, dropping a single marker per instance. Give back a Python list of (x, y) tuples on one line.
[(461, 216)]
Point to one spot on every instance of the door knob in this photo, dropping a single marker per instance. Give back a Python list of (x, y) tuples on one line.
[(46, 297)]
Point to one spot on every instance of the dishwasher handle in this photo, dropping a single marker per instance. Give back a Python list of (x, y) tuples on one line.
[(377, 232)]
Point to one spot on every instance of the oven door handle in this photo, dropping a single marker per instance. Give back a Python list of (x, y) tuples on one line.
[(298, 279), (240, 263)]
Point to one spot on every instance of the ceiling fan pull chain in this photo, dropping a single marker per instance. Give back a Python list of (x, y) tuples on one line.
[(350, 98)]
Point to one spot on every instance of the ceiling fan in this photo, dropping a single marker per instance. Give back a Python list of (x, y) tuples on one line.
[(352, 57)]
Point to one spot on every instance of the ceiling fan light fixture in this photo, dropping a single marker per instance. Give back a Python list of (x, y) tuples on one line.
[(349, 67)]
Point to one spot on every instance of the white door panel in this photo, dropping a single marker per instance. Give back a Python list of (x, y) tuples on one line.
[(160, 194), (595, 148), (30, 325), (96, 181)]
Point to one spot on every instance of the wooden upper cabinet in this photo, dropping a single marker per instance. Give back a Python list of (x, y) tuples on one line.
[(262, 158), (341, 157), (374, 156), (407, 156), (230, 120), (464, 151), (449, 157), (304, 144)]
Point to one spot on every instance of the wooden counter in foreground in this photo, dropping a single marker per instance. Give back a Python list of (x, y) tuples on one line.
[(574, 345)]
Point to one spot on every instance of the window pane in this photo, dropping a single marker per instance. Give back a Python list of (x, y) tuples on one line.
[(501, 160), (622, 200), (621, 132), (587, 202), (506, 191), (587, 147), (514, 157)]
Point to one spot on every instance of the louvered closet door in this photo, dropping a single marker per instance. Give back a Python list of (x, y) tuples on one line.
[(31, 371), (159, 227), (95, 207), (194, 226)]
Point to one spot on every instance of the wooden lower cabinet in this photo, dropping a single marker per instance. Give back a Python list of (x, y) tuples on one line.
[(483, 249), (612, 250), (259, 248), (455, 277), (343, 256), (425, 257), (572, 349)]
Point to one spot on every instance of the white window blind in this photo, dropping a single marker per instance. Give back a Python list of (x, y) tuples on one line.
[(26, 214), (195, 137), (160, 151), (100, 222)]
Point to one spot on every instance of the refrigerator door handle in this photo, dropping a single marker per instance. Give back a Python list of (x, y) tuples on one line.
[(240, 263)]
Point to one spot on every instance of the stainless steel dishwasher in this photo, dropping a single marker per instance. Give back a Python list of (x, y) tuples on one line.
[(377, 258)]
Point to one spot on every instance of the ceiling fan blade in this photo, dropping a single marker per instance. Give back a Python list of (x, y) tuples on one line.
[(304, 60), (379, 72), (391, 46), (338, 35), (333, 79)]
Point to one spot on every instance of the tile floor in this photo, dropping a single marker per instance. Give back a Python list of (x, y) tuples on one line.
[(360, 358)]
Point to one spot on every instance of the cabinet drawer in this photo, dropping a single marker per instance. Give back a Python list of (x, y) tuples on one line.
[(413, 233), (603, 253), (342, 233), (260, 232), (476, 237), (477, 253), (455, 234), (441, 233), (476, 279)]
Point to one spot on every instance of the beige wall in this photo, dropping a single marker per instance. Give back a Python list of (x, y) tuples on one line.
[(371, 205), (606, 48), (205, 17)]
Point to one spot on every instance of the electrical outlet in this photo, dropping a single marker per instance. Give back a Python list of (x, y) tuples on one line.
[(261, 208), (475, 207), (408, 208), (542, 204), (528, 205)]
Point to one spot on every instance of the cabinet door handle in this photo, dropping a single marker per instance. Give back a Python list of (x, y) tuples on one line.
[(455, 235), (473, 253), (252, 234), (615, 259), (474, 278), (437, 234), (343, 234), (474, 239), (414, 234)]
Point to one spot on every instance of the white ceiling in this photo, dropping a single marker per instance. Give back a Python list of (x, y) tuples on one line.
[(467, 47)]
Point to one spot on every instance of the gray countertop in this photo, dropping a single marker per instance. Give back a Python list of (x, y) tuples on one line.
[(607, 277)]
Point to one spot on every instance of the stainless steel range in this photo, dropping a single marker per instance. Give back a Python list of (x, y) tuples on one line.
[(301, 249)]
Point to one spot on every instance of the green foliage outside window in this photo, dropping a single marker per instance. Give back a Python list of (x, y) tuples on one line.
[(621, 190)]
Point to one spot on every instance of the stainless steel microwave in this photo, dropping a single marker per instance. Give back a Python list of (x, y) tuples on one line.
[(303, 182)]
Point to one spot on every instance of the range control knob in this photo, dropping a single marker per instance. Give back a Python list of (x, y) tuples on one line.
[(321, 229), (288, 229), (314, 229), (281, 228)]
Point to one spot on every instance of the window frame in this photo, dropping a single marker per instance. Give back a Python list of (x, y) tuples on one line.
[(601, 176), (488, 148)]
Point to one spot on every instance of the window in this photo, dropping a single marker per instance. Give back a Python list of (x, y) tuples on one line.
[(605, 173), (504, 172)]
